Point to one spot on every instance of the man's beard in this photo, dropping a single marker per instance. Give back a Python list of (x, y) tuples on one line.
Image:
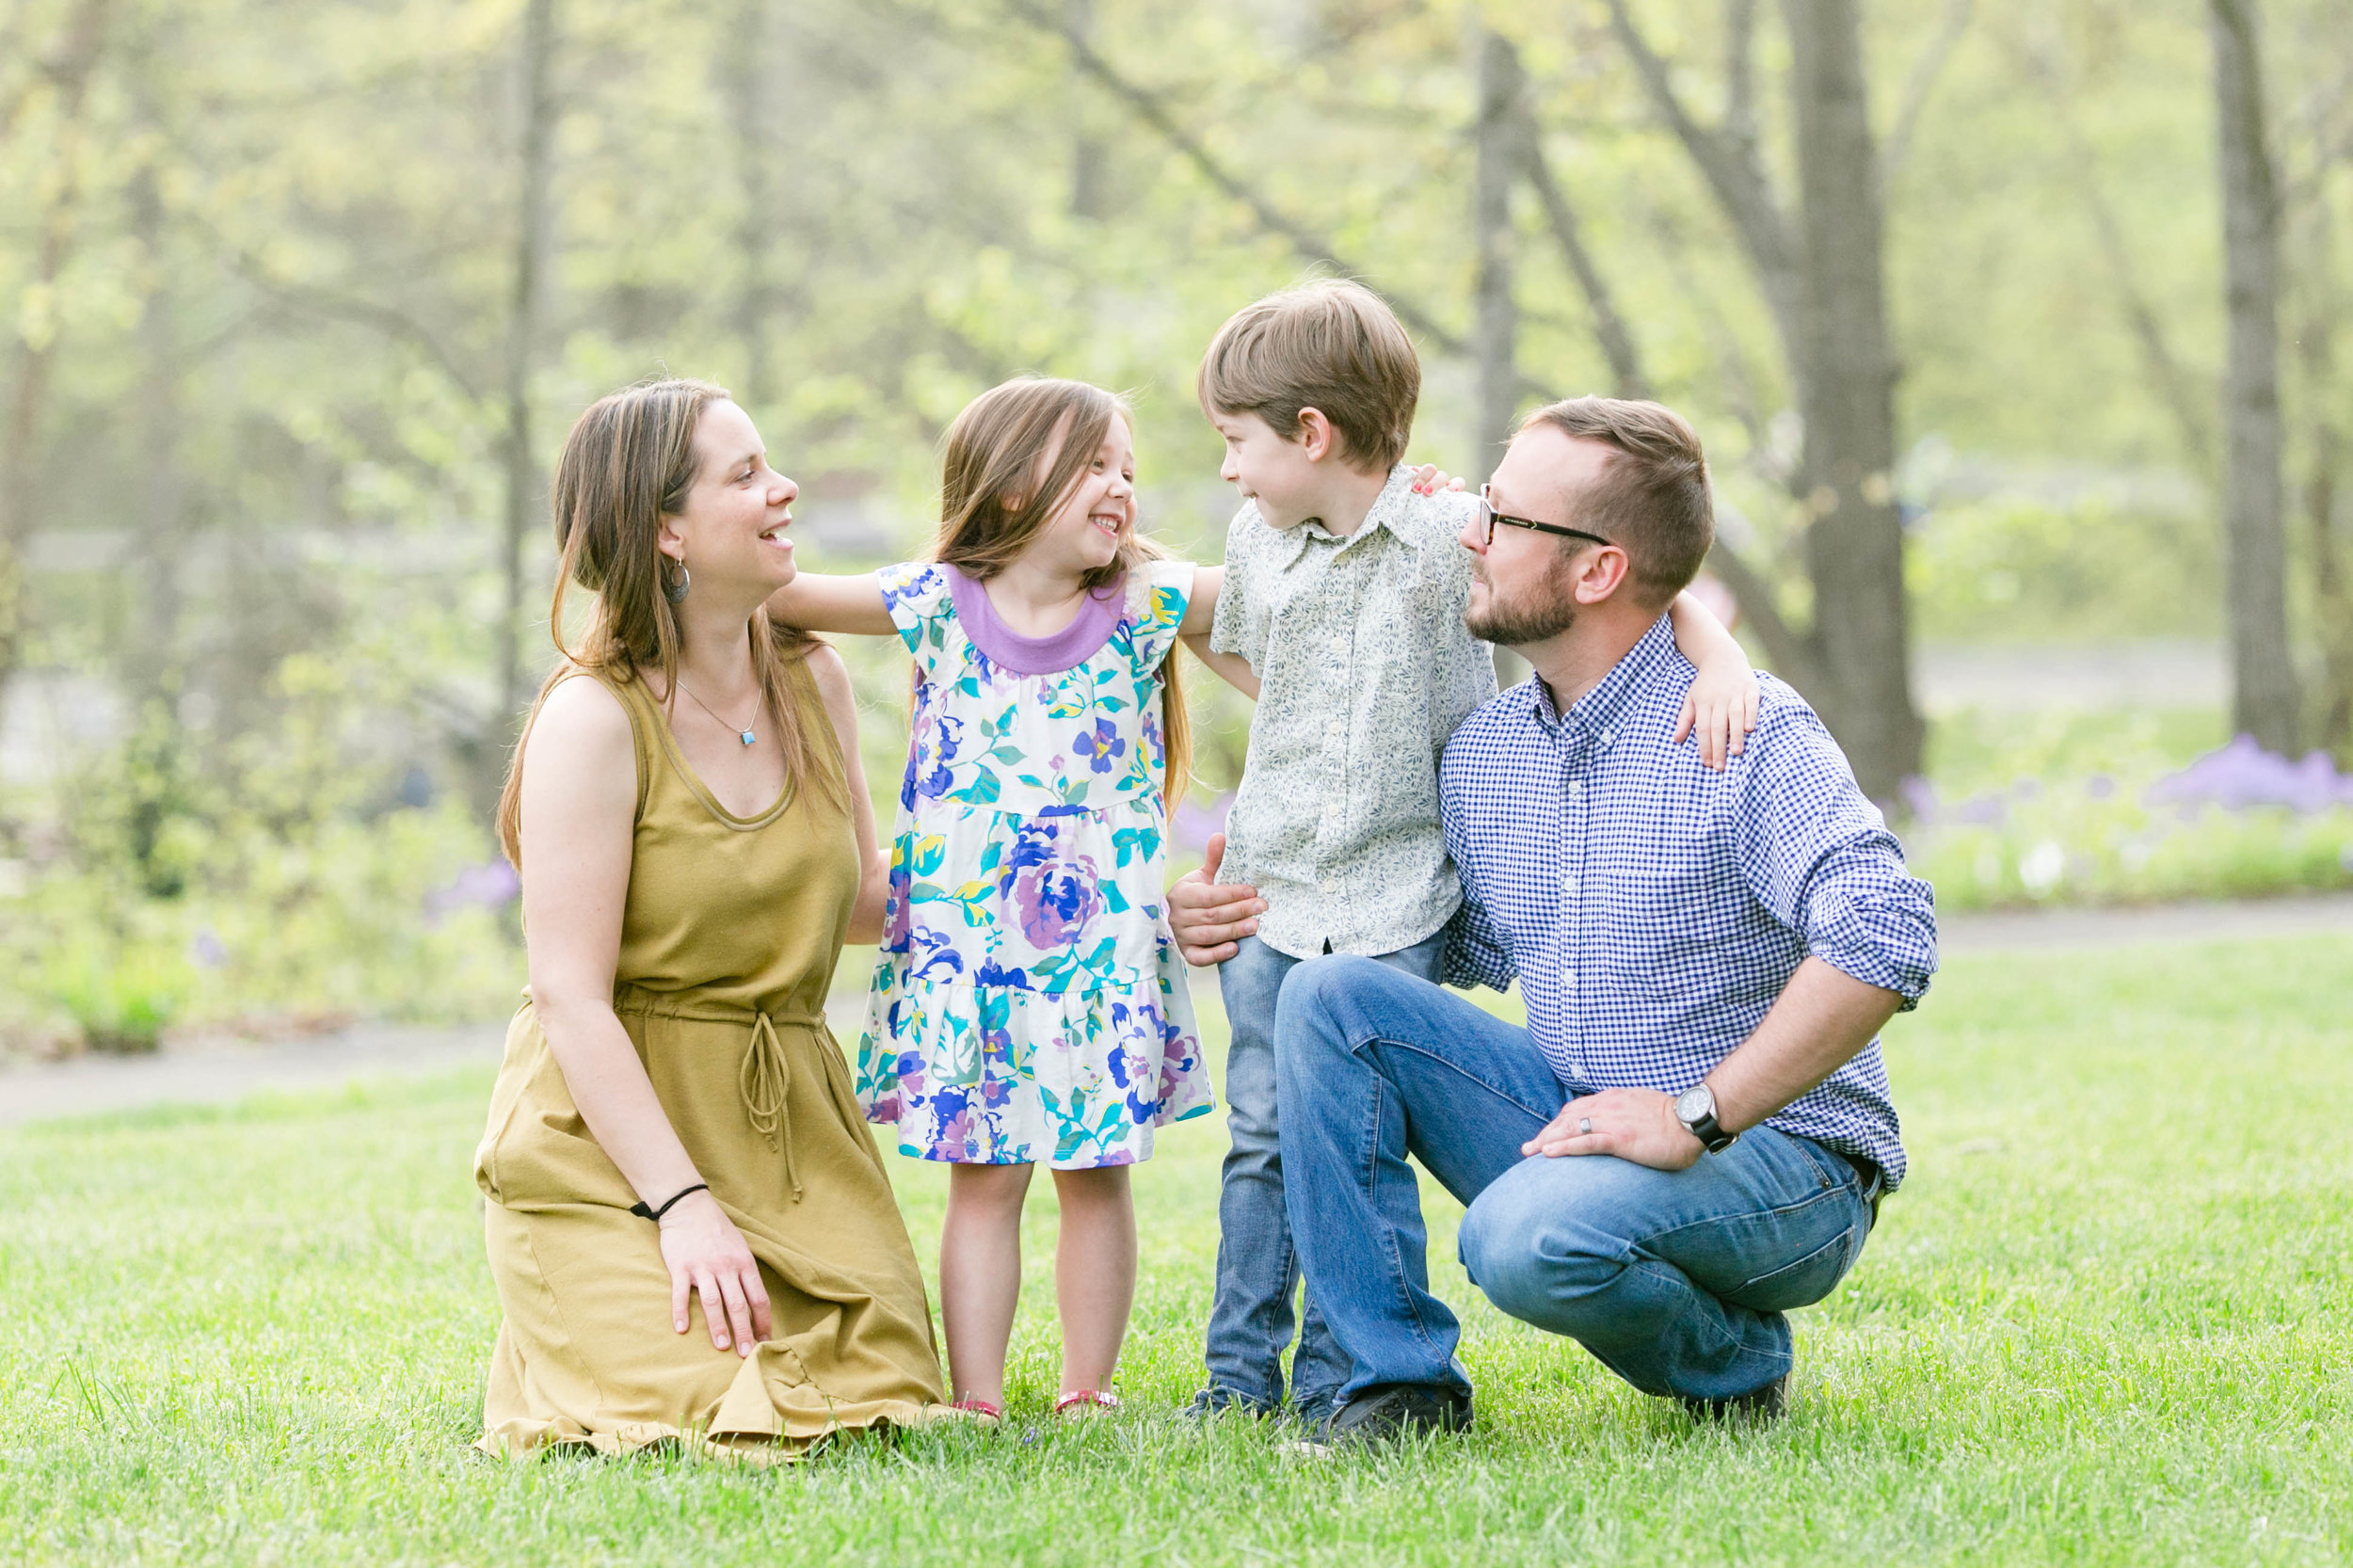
[(1548, 610)]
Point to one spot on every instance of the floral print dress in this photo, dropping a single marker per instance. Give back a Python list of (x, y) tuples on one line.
[(1030, 1005)]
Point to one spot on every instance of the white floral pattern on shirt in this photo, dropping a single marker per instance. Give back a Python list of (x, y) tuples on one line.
[(1365, 668)]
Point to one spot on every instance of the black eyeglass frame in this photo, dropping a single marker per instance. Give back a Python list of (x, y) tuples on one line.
[(1494, 517)]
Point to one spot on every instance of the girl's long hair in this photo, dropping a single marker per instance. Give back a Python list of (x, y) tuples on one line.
[(629, 462), (992, 504)]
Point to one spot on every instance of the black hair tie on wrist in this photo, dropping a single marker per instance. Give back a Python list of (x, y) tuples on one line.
[(655, 1215)]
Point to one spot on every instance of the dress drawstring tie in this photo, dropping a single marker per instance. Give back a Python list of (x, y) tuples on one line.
[(766, 1081)]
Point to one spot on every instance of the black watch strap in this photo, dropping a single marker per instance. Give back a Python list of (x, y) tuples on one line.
[(1704, 1125)]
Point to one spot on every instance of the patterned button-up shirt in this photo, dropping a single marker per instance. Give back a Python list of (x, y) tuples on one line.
[(1653, 910), (1364, 669)]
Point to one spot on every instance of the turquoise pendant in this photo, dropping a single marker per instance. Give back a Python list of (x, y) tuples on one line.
[(745, 737)]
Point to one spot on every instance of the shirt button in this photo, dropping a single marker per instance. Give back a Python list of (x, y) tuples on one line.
[(1605, 737), (1574, 789), (1568, 882), (1568, 980)]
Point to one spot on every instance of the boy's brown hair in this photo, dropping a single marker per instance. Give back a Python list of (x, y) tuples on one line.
[(1331, 346), (1652, 499)]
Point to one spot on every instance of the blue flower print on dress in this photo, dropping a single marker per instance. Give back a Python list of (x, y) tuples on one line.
[(1101, 746), (1028, 1004)]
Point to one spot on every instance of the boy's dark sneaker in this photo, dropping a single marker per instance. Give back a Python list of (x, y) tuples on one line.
[(1392, 1410), (1768, 1403), (1214, 1401)]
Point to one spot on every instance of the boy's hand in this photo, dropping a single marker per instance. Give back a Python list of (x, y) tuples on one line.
[(1428, 479), (1209, 919), (1722, 707)]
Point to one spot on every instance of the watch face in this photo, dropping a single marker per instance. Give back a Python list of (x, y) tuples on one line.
[(1694, 1102)]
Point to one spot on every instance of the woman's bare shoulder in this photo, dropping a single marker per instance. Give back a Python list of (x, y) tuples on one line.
[(832, 674), (581, 716)]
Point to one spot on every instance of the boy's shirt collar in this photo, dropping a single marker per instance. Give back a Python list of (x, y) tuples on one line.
[(1387, 510)]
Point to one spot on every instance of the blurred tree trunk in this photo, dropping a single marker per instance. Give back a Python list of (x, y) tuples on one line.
[(153, 651), (1089, 196), (1496, 330), (1610, 324), (1846, 396), (68, 71), (1823, 281), (753, 83), (2263, 674), (2333, 594), (525, 494)]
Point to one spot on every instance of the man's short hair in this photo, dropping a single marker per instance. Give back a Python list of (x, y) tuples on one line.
[(1331, 346), (1652, 498)]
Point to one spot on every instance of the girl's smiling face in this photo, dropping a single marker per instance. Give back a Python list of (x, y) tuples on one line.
[(1086, 529)]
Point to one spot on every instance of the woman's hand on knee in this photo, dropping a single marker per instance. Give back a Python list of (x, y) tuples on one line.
[(706, 1253)]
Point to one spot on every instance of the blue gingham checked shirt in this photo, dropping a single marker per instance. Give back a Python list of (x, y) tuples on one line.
[(1653, 910)]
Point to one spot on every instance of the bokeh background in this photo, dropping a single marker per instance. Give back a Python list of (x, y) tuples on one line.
[(2011, 327)]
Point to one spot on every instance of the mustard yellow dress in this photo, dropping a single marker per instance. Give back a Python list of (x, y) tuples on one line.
[(728, 941)]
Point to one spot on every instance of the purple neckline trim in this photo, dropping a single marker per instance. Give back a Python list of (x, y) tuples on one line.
[(1073, 645)]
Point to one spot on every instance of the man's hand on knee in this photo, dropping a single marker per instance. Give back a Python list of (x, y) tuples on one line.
[(1636, 1125), (1211, 918)]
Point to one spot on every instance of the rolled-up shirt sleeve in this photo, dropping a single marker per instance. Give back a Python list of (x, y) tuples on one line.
[(1819, 855)]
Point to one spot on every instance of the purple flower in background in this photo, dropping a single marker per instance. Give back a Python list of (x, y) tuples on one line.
[(207, 952), (1193, 824), (492, 884), (2242, 774), (1919, 797), (2100, 785), (1984, 812)]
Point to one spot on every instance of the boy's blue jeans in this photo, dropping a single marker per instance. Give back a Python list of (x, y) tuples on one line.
[(1677, 1280), (1258, 1270)]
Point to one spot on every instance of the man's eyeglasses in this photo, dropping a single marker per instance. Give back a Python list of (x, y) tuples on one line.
[(1487, 511)]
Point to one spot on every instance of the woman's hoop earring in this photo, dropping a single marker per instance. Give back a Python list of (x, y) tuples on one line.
[(676, 592)]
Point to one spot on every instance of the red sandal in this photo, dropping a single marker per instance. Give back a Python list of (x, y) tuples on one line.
[(1095, 1398), (989, 1413)]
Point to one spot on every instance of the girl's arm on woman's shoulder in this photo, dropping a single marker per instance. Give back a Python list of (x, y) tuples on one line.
[(578, 830), (1200, 615), (844, 604), (874, 880)]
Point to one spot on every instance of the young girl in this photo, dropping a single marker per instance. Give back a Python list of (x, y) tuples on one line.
[(1029, 1005)]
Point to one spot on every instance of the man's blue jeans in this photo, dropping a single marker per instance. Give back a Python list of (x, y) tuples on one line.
[(1677, 1280), (1257, 1272)]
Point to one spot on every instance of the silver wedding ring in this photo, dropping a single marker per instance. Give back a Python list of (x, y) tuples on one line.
[(1585, 1124)]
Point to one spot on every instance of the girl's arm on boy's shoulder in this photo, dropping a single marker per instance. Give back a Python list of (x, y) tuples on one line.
[(1200, 615), (845, 605), (1201, 604), (1721, 703)]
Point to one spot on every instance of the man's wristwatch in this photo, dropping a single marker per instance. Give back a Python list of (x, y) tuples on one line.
[(1695, 1108)]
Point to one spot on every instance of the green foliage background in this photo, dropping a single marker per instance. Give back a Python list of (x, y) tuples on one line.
[(266, 264)]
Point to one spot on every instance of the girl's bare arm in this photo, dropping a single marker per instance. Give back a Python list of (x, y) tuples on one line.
[(846, 605), (1200, 613)]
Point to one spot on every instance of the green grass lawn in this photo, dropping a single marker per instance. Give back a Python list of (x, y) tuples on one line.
[(2110, 1319)]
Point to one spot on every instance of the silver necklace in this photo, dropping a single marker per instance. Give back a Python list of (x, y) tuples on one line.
[(743, 733)]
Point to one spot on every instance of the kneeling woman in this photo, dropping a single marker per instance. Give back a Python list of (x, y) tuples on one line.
[(691, 1229)]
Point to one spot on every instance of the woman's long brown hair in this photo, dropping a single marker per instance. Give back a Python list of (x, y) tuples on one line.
[(992, 504), (629, 462)]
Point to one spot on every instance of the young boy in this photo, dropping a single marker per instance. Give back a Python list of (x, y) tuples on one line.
[(1344, 591)]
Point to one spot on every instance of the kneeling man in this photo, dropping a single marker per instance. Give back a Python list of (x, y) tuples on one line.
[(1693, 1134)]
